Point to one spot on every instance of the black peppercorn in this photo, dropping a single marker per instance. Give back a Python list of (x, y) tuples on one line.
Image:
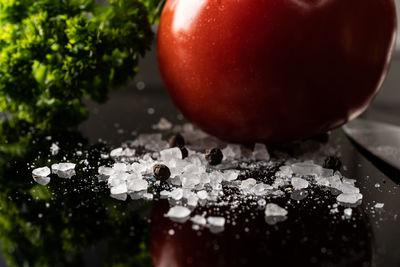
[(214, 156), (333, 163), (184, 152), (176, 140), (161, 172)]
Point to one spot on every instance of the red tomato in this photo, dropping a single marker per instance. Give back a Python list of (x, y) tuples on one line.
[(274, 70)]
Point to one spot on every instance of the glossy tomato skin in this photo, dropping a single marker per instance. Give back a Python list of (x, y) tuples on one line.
[(274, 70)]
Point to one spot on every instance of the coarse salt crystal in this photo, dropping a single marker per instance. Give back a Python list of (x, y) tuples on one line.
[(64, 170), (275, 210), (348, 212), (216, 221), (299, 183), (176, 194), (349, 198), (41, 172), (171, 153), (178, 212), (135, 185), (119, 189), (260, 152), (202, 194), (305, 168), (198, 219)]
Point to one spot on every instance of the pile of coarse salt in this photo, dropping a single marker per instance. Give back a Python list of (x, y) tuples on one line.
[(194, 182), (240, 177)]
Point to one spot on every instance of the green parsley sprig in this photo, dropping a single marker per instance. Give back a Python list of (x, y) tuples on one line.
[(53, 53)]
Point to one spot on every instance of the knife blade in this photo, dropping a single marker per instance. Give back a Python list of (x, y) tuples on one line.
[(380, 139)]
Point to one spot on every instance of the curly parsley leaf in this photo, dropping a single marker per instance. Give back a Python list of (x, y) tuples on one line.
[(53, 53)]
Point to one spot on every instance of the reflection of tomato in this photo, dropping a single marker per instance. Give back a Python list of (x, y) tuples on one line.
[(308, 237), (274, 70)]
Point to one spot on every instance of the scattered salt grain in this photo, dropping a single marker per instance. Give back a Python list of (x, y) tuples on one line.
[(261, 189), (260, 152), (216, 221), (348, 212), (278, 183), (164, 194), (261, 202), (192, 201), (122, 152), (136, 185), (170, 154), (151, 111), (230, 175), (148, 196), (199, 220), (190, 181), (64, 170), (348, 188), (104, 173), (120, 167), (274, 210), (171, 231), (299, 183), (321, 181), (247, 184), (231, 151), (41, 172), (54, 149), (41, 175), (121, 197), (117, 178), (176, 194), (349, 198), (284, 172), (379, 205), (305, 168), (119, 189), (140, 85), (178, 212), (202, 194), (348, 181), (162, 125)]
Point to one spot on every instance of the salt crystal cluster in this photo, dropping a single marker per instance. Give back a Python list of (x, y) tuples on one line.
[(244, 176), (193, 182)]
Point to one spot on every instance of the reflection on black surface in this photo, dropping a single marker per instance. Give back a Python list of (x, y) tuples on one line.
[(309, 237), (74, 222), (70, 222)]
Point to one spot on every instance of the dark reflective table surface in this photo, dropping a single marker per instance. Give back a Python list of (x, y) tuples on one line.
[(75, 222)]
